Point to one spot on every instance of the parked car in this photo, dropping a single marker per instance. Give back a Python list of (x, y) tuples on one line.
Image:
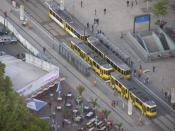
[(86, 108), (90, 115)]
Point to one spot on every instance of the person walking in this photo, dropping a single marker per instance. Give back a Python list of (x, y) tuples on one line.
[(104, 11), (95, 12), (63, 123), (81, 4), (136, 2), (154, 68), (87, 24), (44, 49), (92, 28), (127, 3), (97, 21), (132, 4)]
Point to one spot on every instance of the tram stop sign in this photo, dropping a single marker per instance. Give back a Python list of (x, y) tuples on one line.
[(141, 19)]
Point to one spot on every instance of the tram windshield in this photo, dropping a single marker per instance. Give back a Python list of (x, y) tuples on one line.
[(153, 109)]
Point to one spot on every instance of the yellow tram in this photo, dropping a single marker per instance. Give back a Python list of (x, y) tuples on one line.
[(131, 91), (111, 58), (98, 64), (68, 22)]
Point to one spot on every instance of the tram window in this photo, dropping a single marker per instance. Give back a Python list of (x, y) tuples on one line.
[(81, 54), (138, 101), (51, 12), (119, 85), (97, 66), (119, 70), (76, 33), (117, 82), (91, 46), (153, 109), (94, 63), (107, 72)]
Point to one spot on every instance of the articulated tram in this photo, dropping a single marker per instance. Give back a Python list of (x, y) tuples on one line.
[(111, 58), (98, 64), (130, 90), (67, 22)]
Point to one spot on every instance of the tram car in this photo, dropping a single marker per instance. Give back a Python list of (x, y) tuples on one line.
[(98, 64), (111, 58), (131, 91), (68, 22)]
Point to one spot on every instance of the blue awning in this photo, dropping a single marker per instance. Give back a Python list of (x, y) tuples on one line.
[(35, 104)]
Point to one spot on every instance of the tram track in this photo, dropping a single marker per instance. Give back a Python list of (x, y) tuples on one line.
[(163, 123)]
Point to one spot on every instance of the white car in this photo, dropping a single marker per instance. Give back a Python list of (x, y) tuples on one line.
[(90, 114)]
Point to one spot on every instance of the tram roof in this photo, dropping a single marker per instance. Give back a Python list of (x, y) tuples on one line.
[(71, 20), (97, 58), (110, 55), (134, 87)]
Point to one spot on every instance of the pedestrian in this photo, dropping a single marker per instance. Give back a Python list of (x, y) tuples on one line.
[(140, 67), (95, 12), (146, 80), (135, 72), (98, 31), (136, 2), (127, 3), (139, 73), (87, 24), (121, 35), (81, 4), (44, 49), (104, 11), (97, 21), (154, 68), (132, 4), (63, 124), (114, 103), (92, 28)]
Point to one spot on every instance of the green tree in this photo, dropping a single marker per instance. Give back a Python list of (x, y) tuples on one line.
[(106, 113), (119, 126), (160, 8), (14, 116), (94, 103), (80, 90)]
